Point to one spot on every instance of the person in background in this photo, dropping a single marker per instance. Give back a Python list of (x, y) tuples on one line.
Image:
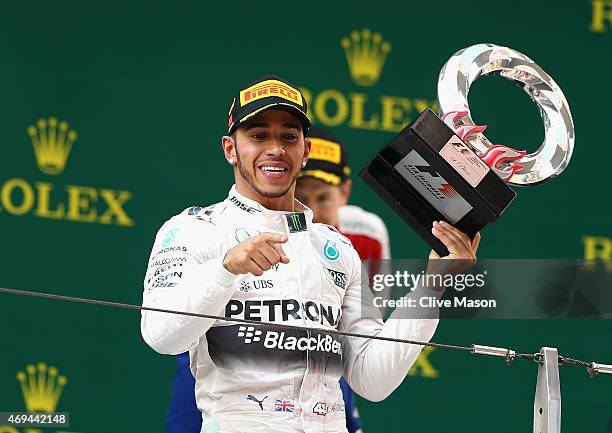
[(325, 187)]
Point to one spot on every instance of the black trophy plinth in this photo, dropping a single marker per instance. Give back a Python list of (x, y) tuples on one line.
[(426, 174)]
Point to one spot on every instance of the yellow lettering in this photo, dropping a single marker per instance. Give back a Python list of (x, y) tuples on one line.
[(115, 201), (421, 104), (18, 197), (8, 429), (357, 121), (394, 110), (422, 367), (6, 196), (332, 108), (320, 107), (80, 199), (44, 191), (597, 248), (602, 12)]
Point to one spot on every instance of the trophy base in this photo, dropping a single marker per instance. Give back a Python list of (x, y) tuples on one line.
[(426, 174)]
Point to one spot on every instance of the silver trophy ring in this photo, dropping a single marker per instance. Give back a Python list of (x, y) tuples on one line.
[(466, 66)]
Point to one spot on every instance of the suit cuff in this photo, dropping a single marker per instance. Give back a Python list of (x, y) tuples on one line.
[(219, 274)]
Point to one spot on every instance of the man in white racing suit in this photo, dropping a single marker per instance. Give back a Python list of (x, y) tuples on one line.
[(257, 255)]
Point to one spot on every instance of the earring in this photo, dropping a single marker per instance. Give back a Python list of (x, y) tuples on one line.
[(303, 163), (231, 161)]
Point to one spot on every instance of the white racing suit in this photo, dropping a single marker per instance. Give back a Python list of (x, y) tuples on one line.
[(260, 378)]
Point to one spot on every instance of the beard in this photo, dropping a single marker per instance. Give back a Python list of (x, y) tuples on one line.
[(244, 173)]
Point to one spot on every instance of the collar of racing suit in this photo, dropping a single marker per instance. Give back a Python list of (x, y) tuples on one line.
[(272, 219)]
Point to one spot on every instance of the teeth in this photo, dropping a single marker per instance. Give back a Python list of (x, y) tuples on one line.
[(273, 169)]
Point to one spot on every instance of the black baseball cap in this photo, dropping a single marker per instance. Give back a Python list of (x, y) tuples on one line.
[(328, 159), (267, 93)]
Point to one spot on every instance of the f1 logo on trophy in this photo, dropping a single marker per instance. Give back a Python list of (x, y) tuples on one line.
[(445, 168)]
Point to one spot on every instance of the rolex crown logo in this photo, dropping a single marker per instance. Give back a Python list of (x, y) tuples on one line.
[(52, 141), (365, 54), (41, 387)]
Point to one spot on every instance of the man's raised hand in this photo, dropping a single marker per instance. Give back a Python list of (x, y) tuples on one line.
[(461, 250)]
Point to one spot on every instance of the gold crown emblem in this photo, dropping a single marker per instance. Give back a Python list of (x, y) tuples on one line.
[(365, 54), (41, 387), (52, 141)]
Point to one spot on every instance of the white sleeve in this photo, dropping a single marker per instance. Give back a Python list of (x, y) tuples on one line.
[(185, 273), (375, 368)]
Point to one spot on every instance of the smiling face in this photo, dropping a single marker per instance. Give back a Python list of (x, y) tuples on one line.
[(267, 152)]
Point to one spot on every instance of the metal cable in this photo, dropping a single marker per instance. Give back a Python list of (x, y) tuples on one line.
[(571, 361), (510, 354), (226, 319), (525, 356)]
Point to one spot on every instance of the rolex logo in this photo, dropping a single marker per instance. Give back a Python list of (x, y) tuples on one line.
[(365, 54), (52, 141), (41, 387)]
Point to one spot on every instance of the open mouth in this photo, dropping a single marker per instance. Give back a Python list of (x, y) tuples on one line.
[(274, 170)]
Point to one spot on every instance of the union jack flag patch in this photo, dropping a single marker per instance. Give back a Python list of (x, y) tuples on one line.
[(284, 406)]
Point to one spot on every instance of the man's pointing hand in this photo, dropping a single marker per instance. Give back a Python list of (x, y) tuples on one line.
[(256, 255)]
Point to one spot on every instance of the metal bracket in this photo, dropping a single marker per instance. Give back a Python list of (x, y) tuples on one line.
[(547, 403), (596, 368), (494, 351)]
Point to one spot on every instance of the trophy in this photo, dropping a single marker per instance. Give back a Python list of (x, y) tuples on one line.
[(445, 168)]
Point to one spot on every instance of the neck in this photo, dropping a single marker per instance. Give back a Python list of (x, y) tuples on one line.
[(283, 203)]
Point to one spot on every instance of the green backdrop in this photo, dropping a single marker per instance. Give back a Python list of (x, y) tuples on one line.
[(146, 87)]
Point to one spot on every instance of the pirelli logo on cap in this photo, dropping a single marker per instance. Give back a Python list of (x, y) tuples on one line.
[(325, 150), (270, 88)]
